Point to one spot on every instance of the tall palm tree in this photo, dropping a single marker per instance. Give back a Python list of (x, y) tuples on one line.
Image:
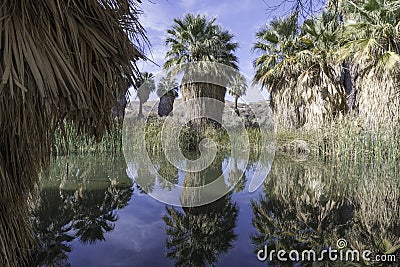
[(296, 67), (276, 42), (59, 60), (371, 41), (145, 86), (238, 88), (167, 91), (195, 39)]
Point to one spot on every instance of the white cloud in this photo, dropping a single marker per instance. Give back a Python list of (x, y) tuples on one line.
[(156, 16)]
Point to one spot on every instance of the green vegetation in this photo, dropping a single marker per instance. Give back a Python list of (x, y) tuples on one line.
[(344, 139), (189, 138), (196, 39), (68, 141), (346, 59)]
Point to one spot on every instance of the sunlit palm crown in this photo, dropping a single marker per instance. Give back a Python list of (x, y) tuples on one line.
[(195, 38), (371, 35), (167, 84), (145, 85), (238, 85), (287, 50)]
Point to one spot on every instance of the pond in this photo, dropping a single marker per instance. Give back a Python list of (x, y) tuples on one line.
[(95, 211)]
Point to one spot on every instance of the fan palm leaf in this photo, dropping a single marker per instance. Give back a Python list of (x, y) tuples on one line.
[(196, 39), (296, 67)]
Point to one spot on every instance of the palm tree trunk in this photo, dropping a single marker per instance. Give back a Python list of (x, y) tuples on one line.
[(166, 105), (208, 105), (140, 114), (348, 79), (236, 104)]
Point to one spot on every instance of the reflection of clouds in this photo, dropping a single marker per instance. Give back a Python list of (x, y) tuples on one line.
[(144, 230), (137, 240)]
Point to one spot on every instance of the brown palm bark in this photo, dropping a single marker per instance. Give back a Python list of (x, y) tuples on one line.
[(236, 104), (204, 111)]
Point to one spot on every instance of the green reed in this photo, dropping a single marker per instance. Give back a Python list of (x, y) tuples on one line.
[(347, 139), (68, 141)]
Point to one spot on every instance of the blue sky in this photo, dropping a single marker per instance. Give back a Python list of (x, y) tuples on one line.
[(242, 17)]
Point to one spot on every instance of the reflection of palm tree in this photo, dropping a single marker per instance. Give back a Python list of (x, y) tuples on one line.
[(198, 236), (193, 193), (84, 208), (297, 213), (95, 215), (307, 206), (145, 180), (167, 173), (237, 177), (52, 227)]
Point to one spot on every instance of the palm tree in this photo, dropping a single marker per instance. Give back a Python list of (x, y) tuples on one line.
[(167, 92), (238, 88), (296, 67), (371, 41), (195, 39), (145, 86), (60, 60)]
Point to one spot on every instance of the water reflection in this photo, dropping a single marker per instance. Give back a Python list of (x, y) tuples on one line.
[(198, 236), (310, 206), (78, 200), (301, 205)]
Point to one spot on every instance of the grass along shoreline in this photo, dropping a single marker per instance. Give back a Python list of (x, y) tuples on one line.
[(344, 139)]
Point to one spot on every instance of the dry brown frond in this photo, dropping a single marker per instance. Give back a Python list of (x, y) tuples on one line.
[(378, 100), (58, 60)]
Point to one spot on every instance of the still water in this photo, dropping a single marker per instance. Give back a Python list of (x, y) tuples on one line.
[(94, 211)]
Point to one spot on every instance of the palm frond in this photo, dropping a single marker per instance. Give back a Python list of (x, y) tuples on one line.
[(58, 60)]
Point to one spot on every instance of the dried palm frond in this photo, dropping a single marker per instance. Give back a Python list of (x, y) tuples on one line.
[(379, 100), (306, 91), (58, 60)]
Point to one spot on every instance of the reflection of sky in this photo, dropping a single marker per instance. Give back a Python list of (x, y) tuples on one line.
[(139, 236), (137, 240), (243, 18), (172, 194)]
